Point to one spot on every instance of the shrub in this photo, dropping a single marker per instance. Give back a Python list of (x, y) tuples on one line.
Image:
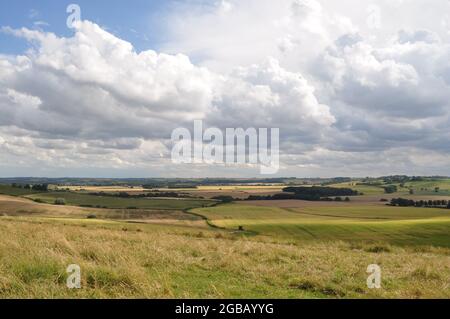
[(60, 201), (224, 198), (390, 189), (378, 249)]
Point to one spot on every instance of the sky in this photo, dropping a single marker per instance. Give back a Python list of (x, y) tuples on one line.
[(356, 87)]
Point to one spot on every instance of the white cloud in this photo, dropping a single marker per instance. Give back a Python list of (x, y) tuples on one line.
[(356, 87), (91, 99)]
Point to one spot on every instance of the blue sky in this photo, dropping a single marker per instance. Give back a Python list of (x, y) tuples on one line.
[(140, 22)]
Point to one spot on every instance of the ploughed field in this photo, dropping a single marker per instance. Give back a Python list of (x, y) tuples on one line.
[(194, 248)]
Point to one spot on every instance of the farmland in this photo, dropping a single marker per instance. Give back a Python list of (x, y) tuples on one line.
[(114, 202), (201, 248), (355, 223)]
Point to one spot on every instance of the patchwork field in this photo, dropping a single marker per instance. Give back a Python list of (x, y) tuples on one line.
[(194, 248)]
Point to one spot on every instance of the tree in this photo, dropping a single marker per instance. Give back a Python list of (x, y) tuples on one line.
[(224, 198), (60, 201), (389, 189)]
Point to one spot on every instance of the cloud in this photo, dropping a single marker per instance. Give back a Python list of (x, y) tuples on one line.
[(388, 96), (252, 31), (267, 95), (355, 89), (93, 99)]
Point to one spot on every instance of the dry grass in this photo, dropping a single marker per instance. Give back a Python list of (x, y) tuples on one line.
[(161, 261)]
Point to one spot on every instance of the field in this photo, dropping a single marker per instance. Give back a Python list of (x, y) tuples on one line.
[(236, 191), (8, 190), (365, 189), (77, 199), (428, 187), (154, 261), (194, 248), (391, 225), (421, 187)]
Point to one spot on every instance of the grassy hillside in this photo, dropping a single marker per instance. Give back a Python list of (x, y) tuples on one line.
[(161, 261), (289, 249)]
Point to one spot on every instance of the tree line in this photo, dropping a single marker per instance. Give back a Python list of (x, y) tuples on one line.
[(314, 193), (35, 187), (143, 195), (437, 203)]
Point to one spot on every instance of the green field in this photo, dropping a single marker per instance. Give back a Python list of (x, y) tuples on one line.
[(78, 199), (15, 191), (392, 225), (365, 189), (425, 187)]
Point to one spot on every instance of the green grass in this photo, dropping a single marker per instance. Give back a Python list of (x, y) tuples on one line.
[(77, 199), (403, 226), (365, 189), (427, 187), (161, 261), (375, 212), (15, 191)]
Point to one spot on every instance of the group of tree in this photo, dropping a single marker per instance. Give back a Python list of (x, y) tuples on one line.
[(402, 202), (321, 191), (390, 189), (35, 187), (283, 196), (224, 198), (314, 193), (143, 195)]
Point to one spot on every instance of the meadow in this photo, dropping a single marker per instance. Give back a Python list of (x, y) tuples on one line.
[(120, 260), (199, 248)]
